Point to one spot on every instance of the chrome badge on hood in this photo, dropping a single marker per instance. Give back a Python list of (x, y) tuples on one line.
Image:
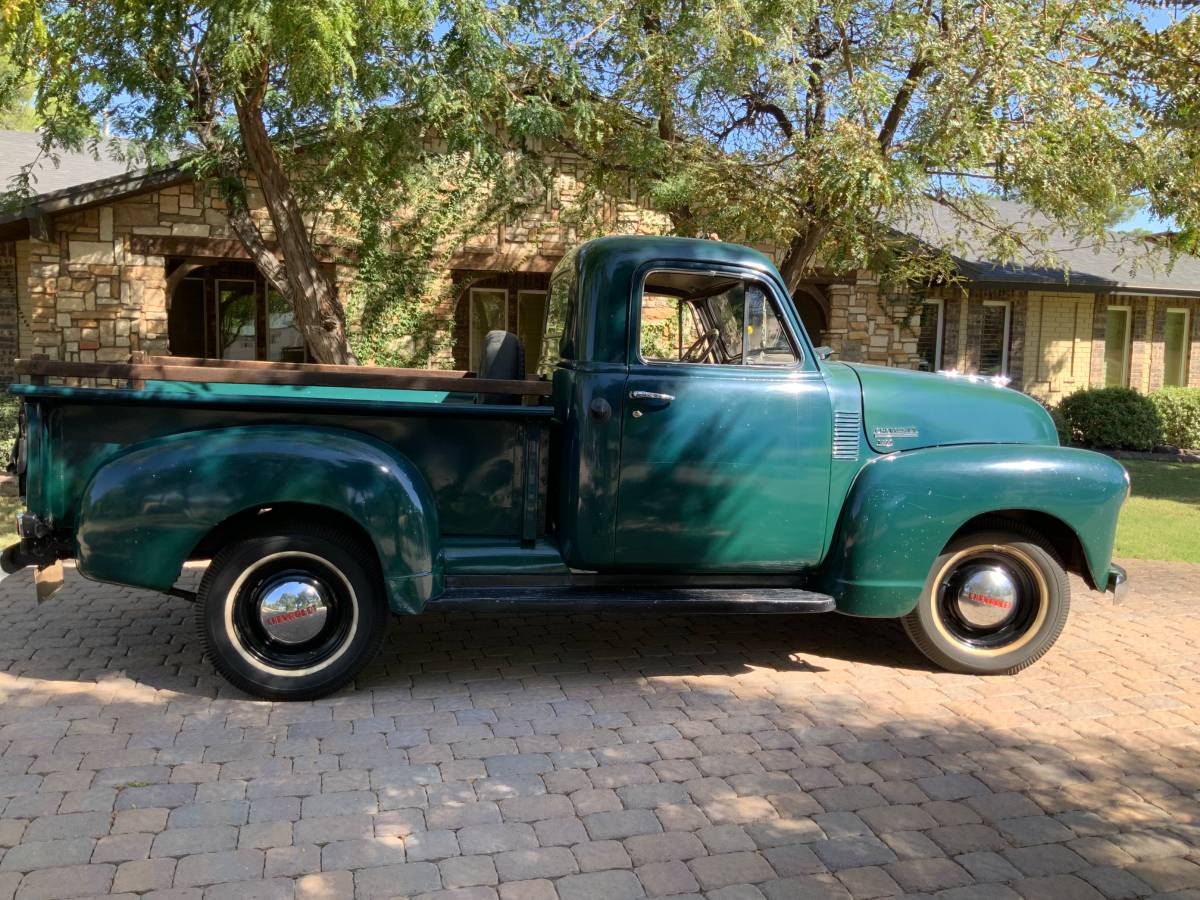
[(885, 435)]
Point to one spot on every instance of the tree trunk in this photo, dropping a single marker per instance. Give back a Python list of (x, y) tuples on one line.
[(300, 278), (800, 254)]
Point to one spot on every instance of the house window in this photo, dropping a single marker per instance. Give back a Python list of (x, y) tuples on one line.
[(994, 337), (489, 312), (1175, 347), (929, 336), (531, 314), (227, 311), (1118, 324), (237, 314), (285, 342)]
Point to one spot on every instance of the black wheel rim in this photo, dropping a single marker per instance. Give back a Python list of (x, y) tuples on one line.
[(988, 599), (293, 612)]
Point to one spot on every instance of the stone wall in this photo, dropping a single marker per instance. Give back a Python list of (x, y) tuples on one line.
[(865, 326), (566, 216), (96, 293)]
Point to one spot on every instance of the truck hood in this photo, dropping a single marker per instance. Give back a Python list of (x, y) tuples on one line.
[(906, 410)]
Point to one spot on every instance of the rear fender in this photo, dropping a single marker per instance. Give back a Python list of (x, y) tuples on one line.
[(144, 511), (904, 508)]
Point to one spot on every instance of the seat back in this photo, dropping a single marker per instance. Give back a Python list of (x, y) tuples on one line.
[(503, 359)]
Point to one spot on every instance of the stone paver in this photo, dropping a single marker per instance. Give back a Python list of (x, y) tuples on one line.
[(562, 757)]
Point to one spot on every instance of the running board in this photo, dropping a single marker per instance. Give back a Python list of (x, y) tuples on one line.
[(684, 600)]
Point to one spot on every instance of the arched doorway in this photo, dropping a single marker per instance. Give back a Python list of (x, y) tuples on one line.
[(223, 309), (812, 303)]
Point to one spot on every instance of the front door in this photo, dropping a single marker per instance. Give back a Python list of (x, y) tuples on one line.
[(726, 432)]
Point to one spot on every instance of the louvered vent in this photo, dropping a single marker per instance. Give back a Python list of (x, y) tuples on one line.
[(847, 426)]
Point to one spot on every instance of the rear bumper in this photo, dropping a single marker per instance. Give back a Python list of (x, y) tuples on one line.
[(37, 546), (1118, 582)]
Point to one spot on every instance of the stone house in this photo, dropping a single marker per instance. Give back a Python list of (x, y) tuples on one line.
[(103, 262)]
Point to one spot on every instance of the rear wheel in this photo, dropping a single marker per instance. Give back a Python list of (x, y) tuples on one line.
[(292, 615), (994, 603)]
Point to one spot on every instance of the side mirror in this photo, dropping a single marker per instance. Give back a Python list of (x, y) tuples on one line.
[(823, 352)]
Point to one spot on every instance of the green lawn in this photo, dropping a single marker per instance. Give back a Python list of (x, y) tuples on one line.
[(9, 507), (1162, 518)]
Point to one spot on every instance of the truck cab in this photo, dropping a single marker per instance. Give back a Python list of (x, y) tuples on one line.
[(704, 446), (678, 441)]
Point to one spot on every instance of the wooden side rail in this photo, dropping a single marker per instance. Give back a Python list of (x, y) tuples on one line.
[(293, 374), (204, 362)]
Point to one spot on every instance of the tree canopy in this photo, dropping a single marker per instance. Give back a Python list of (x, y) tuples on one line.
[(826, 125), (820, 127), (16, 96), (311, 100)]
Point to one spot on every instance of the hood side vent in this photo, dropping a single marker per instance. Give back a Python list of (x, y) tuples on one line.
[(847, 432)]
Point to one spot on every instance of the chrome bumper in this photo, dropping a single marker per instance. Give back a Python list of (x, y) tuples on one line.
[(1118, 583)]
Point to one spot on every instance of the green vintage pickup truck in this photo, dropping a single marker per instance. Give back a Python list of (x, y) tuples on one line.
[(684, 446)]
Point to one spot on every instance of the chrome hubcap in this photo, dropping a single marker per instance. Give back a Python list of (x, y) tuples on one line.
[(293, 609), (987, 598)]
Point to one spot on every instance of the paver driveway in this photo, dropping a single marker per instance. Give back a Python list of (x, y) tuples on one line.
[(602, 757)]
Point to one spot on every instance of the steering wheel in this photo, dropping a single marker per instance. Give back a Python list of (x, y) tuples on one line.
[(701, 347)]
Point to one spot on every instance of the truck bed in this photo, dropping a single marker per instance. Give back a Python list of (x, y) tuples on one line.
[(484, 462)]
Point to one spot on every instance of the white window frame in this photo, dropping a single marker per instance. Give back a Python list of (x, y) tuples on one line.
[(1128, 348), (1007, 304), (1185, 363), (471, 313), (940, 335)]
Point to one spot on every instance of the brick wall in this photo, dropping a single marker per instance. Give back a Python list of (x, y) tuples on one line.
[(1157, 334), (1057, 357), (1145, 352)]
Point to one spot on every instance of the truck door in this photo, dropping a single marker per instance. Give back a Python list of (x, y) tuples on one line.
[(726, 430)]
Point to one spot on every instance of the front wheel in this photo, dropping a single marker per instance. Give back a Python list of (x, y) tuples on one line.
[(995, 602), (292, 615)]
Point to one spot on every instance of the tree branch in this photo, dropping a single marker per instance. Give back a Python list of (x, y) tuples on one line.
[(900, 102)]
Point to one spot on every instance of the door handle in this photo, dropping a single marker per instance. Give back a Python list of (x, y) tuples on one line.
[(650, 395)]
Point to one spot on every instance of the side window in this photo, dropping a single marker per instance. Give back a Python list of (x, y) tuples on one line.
[(707, 319)]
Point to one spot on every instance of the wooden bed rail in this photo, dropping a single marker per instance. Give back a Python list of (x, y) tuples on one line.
[(226, 371)]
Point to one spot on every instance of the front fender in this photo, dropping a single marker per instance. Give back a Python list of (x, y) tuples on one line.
[(145, 510), (903, 509)]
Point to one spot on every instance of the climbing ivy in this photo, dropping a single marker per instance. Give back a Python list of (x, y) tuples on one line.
[(408, 228)]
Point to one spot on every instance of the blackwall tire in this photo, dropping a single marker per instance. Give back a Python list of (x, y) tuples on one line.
[(998, 631), (292, 615)]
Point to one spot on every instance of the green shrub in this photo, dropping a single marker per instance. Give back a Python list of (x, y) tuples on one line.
[(1112, 419), (1060, 424), (1179, 410), (10, 408)]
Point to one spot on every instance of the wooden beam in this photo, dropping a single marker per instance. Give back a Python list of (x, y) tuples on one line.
[(205, 362), (162, 245), (284, 374), (519, 260), (201, 247)]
